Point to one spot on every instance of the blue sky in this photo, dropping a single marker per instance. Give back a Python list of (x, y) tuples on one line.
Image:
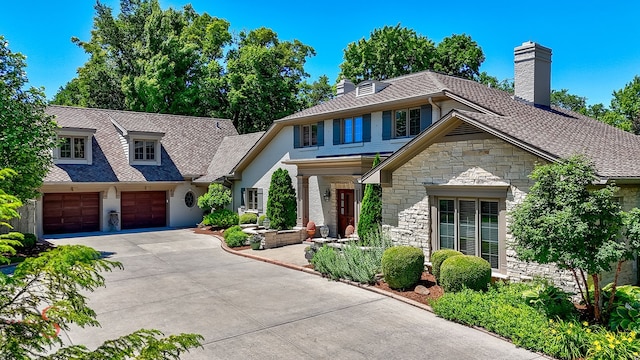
[(595, 44)]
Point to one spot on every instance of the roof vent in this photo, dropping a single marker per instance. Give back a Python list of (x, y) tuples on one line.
[(344, 86), (369, 87)]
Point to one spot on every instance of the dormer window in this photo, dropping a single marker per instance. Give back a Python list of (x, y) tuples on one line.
[(144, 150), (74, 146), (369, 87)]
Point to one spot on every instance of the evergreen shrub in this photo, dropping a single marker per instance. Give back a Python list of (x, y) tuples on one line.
[(437, 257), (465, 271), (248, 218), (402, 266)]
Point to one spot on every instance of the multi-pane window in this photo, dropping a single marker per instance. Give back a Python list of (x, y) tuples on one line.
[(406, 122), (252, 199), (72, 147), (144, 150), (470, 226), (309, 135), (352, 130)]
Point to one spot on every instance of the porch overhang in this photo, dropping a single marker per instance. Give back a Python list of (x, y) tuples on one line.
[(354, 165)]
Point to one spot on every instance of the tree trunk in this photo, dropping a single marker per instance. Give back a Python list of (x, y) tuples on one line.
[(575, 276), (614, 287)]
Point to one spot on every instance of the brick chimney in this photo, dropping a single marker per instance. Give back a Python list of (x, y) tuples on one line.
[(533, 73), (344, 86)]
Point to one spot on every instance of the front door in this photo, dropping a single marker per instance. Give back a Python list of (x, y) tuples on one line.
[(345, 210)]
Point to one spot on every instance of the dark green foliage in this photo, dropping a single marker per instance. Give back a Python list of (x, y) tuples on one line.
[(27, 133), (550, 299), (236, 238), (221, 218), (234, 228), (217, 197), (437, 257), (465, 271), (281, 204), (625, 309), (61, 278), (29, 241), (248, 218), (402, 266), (371, 208)]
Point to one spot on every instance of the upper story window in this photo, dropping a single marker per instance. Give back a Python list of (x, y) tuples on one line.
[(308, 135), (352, 130), (74, 146), (406, 122), (144, 150)]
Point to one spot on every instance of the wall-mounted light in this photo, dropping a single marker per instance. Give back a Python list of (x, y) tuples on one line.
[(327, 195)]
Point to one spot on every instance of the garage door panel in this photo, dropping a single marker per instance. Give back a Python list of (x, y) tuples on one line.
[(71, 212), (143, 209)]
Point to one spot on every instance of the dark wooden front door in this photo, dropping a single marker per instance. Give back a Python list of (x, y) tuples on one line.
[(345, 210), (70, 213), (143, 209)]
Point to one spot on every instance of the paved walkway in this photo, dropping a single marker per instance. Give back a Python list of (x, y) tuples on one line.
[(178, 281)]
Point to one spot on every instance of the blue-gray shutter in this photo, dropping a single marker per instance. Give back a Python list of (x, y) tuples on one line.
[(243, 196), (336, 131), (296, 136), (425, 116), (366, 127), (320, 133), (260, 200), (386, 125)]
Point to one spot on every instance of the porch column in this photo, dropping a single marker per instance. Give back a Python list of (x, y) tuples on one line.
[(357, 201), (303, 201)]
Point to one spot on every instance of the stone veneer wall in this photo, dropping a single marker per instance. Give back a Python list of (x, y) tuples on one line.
[(491, 161)]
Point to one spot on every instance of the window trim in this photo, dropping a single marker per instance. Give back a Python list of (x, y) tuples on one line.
[(311, 138), (408, 123), (253, 200), (145, 139), (86, 135), (343, 132), (494, 193)]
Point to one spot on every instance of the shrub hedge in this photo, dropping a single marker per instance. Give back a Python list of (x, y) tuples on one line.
[(221, 218), (234, 228), (465, 271), (234, 236), (249, 218), (29, 241), (437, 257), (402, 266)]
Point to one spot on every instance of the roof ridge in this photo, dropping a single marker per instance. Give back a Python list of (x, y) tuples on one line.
[(437, 81)]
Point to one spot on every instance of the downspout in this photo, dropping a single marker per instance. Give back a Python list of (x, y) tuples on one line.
[(437, 117)]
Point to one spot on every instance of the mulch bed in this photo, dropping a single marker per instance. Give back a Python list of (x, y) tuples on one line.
[(427, 280), (40, 247)]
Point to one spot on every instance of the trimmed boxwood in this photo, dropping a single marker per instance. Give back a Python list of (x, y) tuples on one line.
[(465, 271), (437, 257), (234, 228), (236, 238), (29, 241), (402, 266), (222, 218), (248, 218)]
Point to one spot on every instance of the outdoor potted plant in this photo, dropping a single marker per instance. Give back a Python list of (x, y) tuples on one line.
[(311, 229), (255, 241)]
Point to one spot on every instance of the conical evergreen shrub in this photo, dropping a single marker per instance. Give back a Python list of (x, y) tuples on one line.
[(371, 208), (281, 204)]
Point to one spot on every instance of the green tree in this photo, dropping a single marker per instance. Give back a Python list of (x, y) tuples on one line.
[(393, 51), (625, 106), (493, 82), (9, 205), (317, 92), (217, 198), (562, 98), (371, 208), (459, 55), (563, 221), (389, 52), (264, 76), (154, 60), (27, 134), (281, 204)]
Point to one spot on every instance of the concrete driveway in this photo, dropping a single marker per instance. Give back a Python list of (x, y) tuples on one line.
[(177, 281)]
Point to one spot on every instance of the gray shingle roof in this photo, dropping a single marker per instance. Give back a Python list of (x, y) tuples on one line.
[(188, 145), (555, 131), (230, 151)]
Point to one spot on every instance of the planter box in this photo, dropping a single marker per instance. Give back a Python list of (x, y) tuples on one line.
[(273, 238)]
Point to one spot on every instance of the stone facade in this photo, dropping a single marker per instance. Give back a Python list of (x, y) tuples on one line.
[(474, 162)]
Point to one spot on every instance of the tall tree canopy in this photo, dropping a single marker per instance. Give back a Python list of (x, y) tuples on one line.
[(264, 76), (27, 134), (394, 51), (149, 59), (626, 105)]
